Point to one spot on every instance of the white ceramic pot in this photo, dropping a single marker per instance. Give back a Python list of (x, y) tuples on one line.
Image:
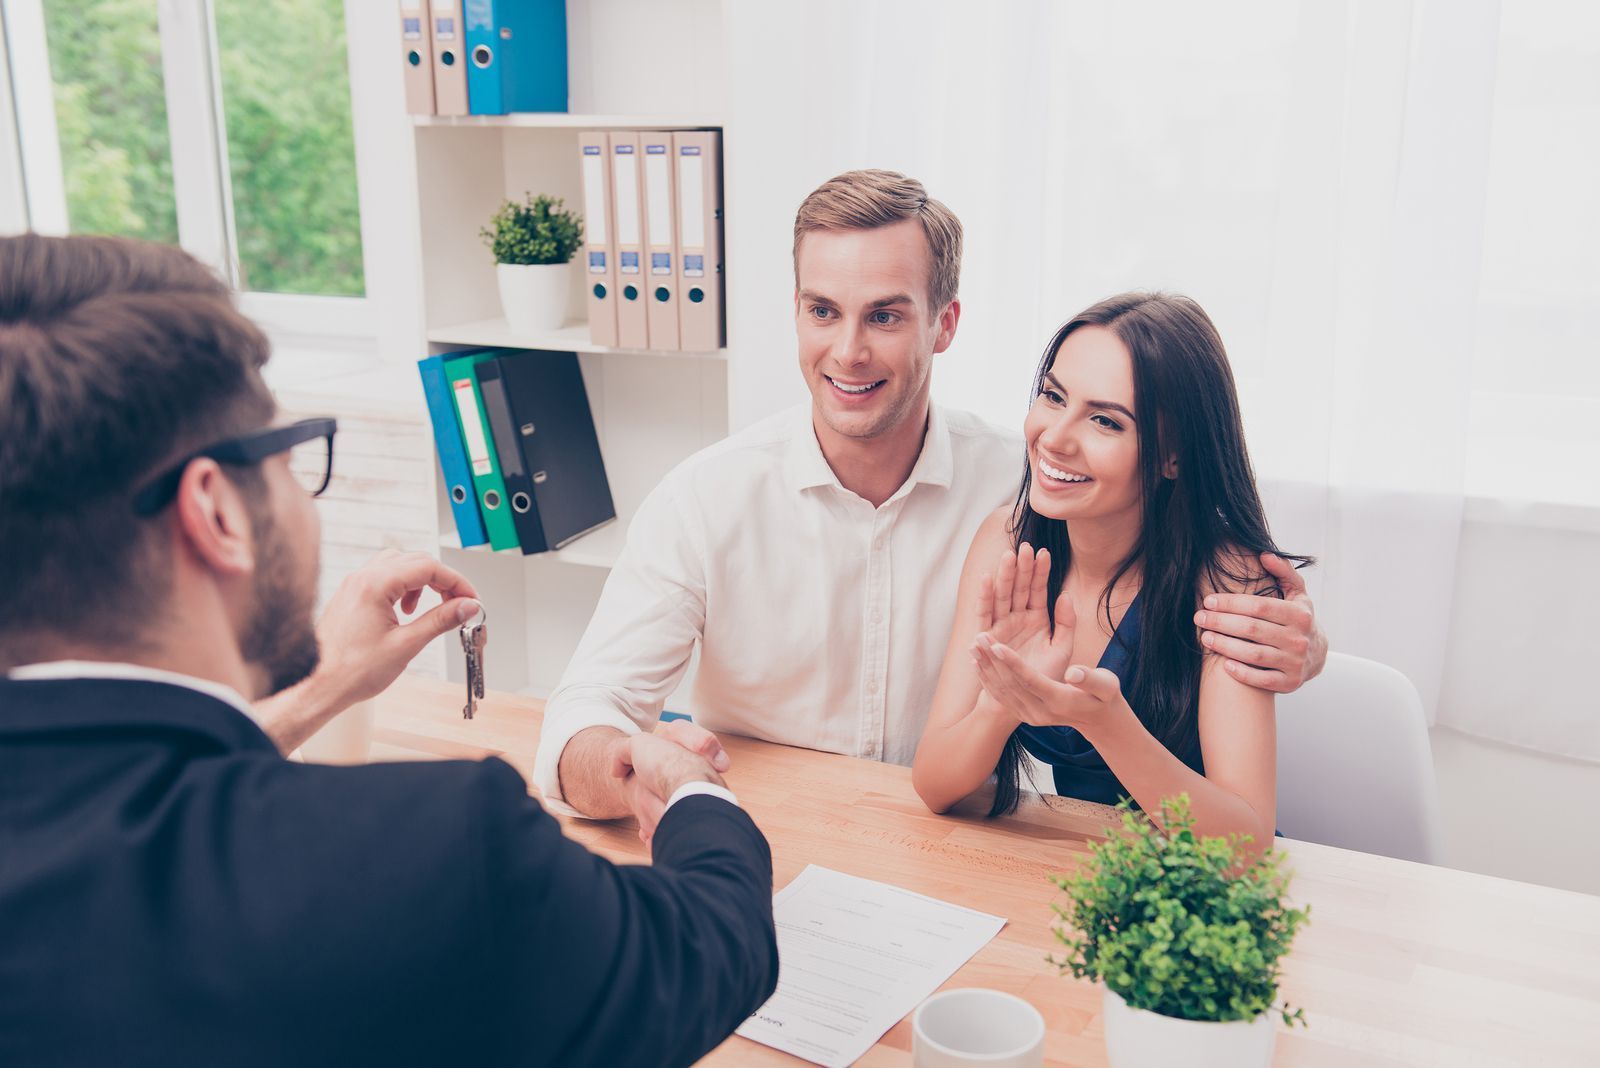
[(1136, 1038), (534, 296)]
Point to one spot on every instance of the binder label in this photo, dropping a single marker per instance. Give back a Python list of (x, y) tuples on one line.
[(655, 150), (472, 428), (691, 200), (660, 263), (689, 150), (628, 262), (594, 199), (694, 266), (444, 29), (412, 28), (597, 263)]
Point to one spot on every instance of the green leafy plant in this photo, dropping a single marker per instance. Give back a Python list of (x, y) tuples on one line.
[(1176, 924), (539, 230)]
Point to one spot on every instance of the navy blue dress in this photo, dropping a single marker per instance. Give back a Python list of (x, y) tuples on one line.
[(1079, 770)]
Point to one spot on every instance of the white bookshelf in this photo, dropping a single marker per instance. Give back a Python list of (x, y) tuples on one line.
[(571, 337), (567, 121), (652, 409)]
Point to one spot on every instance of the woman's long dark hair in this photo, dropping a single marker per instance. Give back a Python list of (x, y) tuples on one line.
[(1196, 529)]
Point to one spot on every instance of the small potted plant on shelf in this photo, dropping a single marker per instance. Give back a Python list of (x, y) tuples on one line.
[(532, 244), (1186, 934)]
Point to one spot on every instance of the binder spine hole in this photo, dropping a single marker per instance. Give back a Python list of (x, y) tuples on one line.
[(458, 494), (599, 291), (414, 57), (482, 57), (663, 294), (696, 295), (491, 500), (520, 503), (631, 292)]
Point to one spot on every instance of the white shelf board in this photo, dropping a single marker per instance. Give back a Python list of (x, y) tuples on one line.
[(572, 337), (598, 549), (562, 120)]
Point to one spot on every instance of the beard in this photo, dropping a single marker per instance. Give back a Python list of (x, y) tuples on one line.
[(280, 638)]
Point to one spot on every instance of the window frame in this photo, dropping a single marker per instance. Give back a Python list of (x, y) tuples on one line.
[(30, 159)]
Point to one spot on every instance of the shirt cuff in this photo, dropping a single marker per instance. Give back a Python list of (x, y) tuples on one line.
[(689, 789)]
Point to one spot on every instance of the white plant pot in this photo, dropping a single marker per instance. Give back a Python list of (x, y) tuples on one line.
[(534, 296), (1136, 1038)]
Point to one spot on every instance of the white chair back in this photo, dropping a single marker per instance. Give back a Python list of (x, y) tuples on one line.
[(1354, 766)]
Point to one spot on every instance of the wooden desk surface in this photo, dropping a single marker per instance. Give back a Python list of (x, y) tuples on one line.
[(1401, 963)]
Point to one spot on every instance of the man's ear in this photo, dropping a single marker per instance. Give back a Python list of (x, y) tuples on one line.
[(213, 520), (948, 320)]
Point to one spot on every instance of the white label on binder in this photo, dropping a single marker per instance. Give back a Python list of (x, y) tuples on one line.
[(472, 428), (625, 169), (659, 218), (594, 195), (691, 202)]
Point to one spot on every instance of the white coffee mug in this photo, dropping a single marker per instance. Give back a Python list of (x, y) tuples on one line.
[(344, 739), (961, 1028)]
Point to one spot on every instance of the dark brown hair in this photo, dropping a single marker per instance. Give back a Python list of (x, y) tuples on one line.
[(866, 200), (117, 357), (1202, 531)]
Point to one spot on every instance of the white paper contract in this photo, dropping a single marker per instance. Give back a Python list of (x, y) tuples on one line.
[(855, 957)]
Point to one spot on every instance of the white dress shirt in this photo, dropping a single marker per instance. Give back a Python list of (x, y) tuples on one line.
[(822, 620)]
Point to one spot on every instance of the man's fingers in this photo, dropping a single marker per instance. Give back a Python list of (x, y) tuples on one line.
[(1271, 609), (1245, 627), (408, 603), (1290, 581), (1019, 592), (399, 575), (1256, 654), (441, 619), (1274, 681), (696, 739)]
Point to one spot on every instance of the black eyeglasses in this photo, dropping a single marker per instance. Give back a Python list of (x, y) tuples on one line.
[(309, 443)]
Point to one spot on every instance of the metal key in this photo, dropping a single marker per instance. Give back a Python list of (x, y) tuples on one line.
[(474, 634)]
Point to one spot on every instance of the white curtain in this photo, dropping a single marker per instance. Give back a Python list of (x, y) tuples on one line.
[(1344, 186)]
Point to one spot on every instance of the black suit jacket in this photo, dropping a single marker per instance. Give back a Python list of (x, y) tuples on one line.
[(173, 892)]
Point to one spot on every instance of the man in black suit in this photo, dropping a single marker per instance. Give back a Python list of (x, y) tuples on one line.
[(172, 890)]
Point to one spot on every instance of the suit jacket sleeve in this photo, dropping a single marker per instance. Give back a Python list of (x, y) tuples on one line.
[(597, 963)]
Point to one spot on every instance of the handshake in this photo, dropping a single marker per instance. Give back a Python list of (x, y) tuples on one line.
[(654, 766)]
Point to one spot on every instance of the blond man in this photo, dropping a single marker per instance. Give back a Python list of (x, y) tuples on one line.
[(814, 557)]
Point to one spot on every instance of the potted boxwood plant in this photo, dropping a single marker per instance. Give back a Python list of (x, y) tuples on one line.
[(1186, 934), (532, 244)]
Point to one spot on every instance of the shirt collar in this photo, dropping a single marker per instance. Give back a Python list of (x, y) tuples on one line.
[(806, 468), (56, 670)]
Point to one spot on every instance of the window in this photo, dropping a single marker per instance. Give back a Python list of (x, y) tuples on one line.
[(224, 126)]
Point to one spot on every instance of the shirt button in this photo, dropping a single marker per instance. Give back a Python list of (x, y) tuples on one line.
[(872, 686)]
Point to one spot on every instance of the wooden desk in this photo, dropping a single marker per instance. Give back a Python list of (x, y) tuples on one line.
[(1401, 963)]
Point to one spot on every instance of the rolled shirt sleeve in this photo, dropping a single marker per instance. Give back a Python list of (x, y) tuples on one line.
[(638, 644)]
